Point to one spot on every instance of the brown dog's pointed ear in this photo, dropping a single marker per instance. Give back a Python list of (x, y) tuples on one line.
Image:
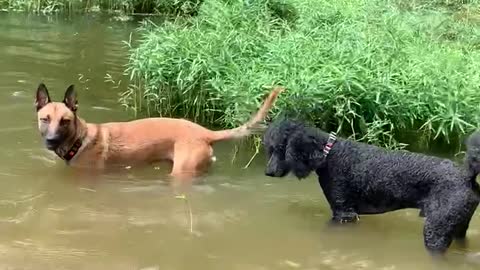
[(70, 98), (42, 98)]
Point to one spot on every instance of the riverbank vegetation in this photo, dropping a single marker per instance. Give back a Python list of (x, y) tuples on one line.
[(162, 7), (378, 70)]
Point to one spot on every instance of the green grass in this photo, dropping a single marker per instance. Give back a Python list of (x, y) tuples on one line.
[(170, 7), (375, 70)]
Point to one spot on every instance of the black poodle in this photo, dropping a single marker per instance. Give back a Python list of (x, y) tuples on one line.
[(358, 178)]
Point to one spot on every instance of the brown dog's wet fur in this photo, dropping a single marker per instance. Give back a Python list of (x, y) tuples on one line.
[(186, 144)]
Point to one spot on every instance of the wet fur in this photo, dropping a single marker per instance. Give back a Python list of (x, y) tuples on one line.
[(358, 178), (186, 144)]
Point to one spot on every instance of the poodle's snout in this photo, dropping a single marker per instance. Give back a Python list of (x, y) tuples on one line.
[(274, 171), (271, 168), (270, 173)]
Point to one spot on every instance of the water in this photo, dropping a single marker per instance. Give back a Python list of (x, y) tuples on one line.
[(53, 219)]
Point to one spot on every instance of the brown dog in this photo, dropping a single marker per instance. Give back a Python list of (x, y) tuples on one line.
[(187, 144)]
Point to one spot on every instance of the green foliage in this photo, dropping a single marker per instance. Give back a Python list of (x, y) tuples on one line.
[(434, 4), (372, 69), (175, 7)]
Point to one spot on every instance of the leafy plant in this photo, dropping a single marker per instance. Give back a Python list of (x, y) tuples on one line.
[(169, 7), (369, 69)]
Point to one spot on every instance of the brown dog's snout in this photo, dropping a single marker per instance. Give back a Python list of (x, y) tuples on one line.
[(52, 141)]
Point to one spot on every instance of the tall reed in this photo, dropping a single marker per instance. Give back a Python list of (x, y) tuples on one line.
[(183, 7), (372, 69)]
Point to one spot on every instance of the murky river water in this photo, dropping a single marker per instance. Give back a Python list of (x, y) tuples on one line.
[(49, 219)]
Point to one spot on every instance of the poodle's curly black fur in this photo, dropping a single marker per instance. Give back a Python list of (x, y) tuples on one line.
[(358, 178)]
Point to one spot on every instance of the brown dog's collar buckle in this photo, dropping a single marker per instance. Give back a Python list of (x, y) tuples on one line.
[(73, 151)]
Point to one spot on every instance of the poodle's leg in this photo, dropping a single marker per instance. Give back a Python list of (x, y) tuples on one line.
[(344, 214), (342, 204), (460, 235), (461, 232), (335, 191), (438, 235), (443, 224), (340, 212)]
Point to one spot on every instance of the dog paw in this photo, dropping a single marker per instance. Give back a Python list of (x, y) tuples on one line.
[(347, 218)]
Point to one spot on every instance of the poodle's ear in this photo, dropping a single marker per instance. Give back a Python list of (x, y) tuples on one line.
[(302, 147), (302, 153)]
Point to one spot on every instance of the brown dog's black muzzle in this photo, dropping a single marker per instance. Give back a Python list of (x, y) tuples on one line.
[(53, 142)]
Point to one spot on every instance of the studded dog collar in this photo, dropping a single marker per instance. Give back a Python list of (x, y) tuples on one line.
[(72, 151)]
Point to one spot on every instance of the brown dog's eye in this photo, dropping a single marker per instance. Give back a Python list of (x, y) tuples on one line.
[(64, 122), (44, 120)]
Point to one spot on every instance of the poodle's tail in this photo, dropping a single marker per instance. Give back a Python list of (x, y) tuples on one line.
[(473, 154)]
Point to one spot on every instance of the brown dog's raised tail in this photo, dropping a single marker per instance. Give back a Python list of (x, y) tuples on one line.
[(246, 129)]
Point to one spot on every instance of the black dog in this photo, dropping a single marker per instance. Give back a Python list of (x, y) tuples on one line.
[(358, 178)]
